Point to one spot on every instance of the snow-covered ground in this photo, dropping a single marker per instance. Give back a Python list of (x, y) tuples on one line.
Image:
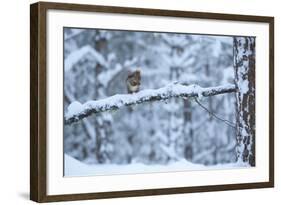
[(73, 167)]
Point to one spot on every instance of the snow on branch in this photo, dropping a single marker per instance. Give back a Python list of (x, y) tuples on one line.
[(77, 111)]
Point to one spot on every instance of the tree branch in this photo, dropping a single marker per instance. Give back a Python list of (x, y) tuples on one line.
[(77, 111), (85, 122), (231, 124)]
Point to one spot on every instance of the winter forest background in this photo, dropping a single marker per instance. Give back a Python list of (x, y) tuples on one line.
[(175, 132)]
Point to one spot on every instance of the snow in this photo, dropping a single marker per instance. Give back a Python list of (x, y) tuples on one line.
[(119, 100), (107, 76), (169, 151), (242, 84), (74, 33), (76, 55), (228, 75), (73, 167), (74, 107)]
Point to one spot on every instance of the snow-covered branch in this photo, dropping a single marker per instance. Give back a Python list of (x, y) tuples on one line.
[(77, 111), (86, 124)]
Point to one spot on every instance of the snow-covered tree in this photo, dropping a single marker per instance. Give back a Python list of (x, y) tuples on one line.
[(244, 64)]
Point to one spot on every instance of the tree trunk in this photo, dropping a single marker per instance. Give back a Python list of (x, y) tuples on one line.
[(244, 65), (188, 130), (102, 125)]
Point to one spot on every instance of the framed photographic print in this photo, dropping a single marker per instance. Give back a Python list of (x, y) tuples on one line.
[(134, 102)]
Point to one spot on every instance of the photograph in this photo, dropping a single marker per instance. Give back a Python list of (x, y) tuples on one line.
[(129, 101), (140, 102)]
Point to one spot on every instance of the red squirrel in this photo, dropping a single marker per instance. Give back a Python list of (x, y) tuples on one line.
[(133, 81)]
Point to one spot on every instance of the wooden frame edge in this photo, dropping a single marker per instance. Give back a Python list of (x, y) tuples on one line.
[(38, 97), (38, 83), (34, 187), (155, 192), (271, 101)]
